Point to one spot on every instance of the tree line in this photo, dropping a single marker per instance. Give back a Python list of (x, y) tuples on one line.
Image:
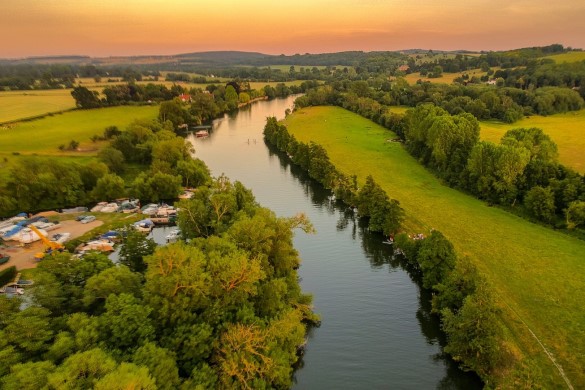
[(522, 173), (30, 76), (222, 311), (461, 296), (383, 213)]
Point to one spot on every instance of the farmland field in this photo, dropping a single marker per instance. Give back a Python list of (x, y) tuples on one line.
[(43, 136), (573, 56), (538, 274), (566, 130), (16, 105)]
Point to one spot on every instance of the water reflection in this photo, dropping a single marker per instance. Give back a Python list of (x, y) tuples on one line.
[(381, 255)]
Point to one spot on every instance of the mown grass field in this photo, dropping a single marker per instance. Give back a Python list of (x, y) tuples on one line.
[(43, 136), (16, 105), (573, 56), (566, 130), (538, 274)]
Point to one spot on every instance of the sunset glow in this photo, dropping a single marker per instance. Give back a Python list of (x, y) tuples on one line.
[(142, 27)]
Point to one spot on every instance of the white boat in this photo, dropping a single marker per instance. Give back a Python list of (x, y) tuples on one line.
[(165, 211), (48, 226), (27, 236), (110, 208), (61, 238), (202, 133), (98, 207), (173, 236), (96, 245), (145, 226)]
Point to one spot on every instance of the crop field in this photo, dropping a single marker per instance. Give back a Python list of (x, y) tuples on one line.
[(573, 56), (43, 136), (16, 105), (566, 130), (538, 274)]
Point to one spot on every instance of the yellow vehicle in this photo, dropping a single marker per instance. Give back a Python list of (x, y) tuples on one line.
[(51, 246)]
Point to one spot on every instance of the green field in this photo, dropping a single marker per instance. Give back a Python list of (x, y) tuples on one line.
[(43, 136), (573, 56), (538, 274), (25, 104), (566, 130)]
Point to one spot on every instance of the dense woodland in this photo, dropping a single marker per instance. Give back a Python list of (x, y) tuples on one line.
[(224, 311)]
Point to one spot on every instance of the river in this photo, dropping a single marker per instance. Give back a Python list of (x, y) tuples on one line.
[(377, 331)]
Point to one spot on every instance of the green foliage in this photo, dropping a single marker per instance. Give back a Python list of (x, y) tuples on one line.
[(474, 333), (459, 283), (576, 214), (29, 331), (31, 375), (82, 370), (136, 247), (436, 258), (161, 364), (126, 324), (156, 187), (174, 112), (540, 203), (116, 280), (7, 275), (127, 376), (113, 158), (109, 187), (84, 98)]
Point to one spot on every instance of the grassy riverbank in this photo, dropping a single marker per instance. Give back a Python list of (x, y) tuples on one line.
[(566, 130), (538, 274)]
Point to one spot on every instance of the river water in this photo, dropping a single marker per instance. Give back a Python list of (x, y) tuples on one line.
[(376, 331)]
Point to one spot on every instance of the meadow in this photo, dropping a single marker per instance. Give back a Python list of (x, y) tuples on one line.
[(15, 105), (538, 274), (573, 56), (44, 136), (566, 130)]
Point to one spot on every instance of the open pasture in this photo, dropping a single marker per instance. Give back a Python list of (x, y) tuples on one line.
[(566, 130), (538, 274), (16, 105), (43, 136), (573, 56)]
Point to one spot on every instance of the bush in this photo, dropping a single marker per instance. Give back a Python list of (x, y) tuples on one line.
[(7, 275)]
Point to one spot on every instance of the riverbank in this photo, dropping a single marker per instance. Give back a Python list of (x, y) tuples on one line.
[(535, 272)]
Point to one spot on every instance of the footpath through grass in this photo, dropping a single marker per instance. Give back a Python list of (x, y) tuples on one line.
[(566, 130), (538, 274)]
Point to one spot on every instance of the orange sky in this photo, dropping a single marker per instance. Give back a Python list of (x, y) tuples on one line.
[(142, 27)]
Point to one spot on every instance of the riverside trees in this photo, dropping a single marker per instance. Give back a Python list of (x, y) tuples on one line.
[(225, 310)]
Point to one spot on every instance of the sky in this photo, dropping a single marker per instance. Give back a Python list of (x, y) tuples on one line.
[(101, 28)]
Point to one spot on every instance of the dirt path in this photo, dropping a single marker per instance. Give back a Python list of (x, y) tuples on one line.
[(23, 257)]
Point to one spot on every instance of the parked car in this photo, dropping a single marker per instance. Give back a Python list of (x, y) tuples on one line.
[(88, 219)]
